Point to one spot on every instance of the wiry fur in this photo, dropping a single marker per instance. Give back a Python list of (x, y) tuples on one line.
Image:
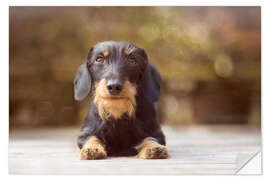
[(118, 123), (93, 149), (115, 106), (150, 149)]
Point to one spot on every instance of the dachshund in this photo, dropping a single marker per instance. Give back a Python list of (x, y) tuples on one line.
[(124, 87)]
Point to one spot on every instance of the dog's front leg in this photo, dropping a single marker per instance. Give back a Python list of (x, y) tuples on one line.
[(151, 149), (93, 149)]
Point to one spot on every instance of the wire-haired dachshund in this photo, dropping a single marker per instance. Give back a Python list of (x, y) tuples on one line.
[(124, 86)]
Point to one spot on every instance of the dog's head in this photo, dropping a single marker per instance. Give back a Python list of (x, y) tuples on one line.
[(113, 73)]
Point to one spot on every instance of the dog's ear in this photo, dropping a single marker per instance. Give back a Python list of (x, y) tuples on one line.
[(82, 83), (151, 82)]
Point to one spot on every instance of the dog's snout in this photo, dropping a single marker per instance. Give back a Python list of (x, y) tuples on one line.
[(114, 87)]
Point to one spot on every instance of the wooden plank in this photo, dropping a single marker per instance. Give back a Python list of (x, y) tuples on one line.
[(193, 149)]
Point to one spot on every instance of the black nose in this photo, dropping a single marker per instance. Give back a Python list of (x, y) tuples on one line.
[(114, 87)]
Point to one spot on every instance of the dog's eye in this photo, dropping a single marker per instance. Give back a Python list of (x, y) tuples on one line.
[(100, 59), (132, 60)]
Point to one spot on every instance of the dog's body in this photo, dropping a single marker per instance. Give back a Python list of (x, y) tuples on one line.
[(124, 86)]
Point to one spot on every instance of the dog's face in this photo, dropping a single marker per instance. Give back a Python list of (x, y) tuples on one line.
[(117, 63), (115, 69), (115, 73)]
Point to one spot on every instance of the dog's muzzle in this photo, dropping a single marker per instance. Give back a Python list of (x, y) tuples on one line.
[(114, 87)]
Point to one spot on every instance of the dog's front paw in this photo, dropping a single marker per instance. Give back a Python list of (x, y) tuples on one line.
[(89, 153), (153, 150), (93, 149)]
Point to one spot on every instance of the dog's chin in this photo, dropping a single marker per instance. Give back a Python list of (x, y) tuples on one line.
[(114, 106), (111, 101)]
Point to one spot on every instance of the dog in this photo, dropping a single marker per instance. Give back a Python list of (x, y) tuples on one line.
[(124, 86)]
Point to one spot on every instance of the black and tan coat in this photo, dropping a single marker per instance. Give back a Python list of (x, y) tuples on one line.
[(124, 86)]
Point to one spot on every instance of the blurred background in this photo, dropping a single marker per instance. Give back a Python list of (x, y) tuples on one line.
[(209, 57)]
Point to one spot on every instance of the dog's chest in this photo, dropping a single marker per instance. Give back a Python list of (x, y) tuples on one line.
[(121, 134)]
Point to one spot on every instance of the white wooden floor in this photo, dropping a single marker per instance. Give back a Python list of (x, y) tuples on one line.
[(193, 149)]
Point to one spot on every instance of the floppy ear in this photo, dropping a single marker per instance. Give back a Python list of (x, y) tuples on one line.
[(82, 83), (151, 82)]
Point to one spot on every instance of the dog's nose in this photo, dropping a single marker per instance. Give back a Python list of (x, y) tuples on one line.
[(114, 87)]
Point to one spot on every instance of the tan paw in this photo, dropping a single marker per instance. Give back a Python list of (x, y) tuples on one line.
[(93, 149), (153, 150), (89, 153)]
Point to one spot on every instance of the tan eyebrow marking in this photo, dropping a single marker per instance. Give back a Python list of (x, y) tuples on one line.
[(106, 53)]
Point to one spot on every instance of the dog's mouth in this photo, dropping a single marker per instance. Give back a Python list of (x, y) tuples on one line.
[(113, 97)]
